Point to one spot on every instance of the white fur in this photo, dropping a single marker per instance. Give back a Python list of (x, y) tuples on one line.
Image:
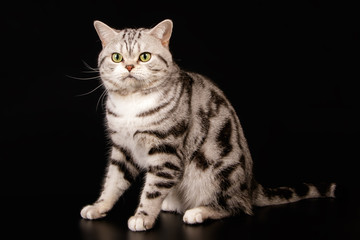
[(193, 216), (201, 183), (140, 223)]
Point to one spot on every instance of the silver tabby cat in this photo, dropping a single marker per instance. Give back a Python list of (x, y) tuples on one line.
[(181, 130)]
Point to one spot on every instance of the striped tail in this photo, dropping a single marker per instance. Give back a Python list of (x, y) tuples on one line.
[(273, 196)]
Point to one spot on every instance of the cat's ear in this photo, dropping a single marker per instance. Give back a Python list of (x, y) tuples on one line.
[(106, 33), (163, 31)]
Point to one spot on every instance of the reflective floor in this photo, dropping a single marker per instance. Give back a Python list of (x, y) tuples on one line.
[(57, 217)]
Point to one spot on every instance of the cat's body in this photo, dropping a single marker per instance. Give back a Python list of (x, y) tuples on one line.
[(181, 130)]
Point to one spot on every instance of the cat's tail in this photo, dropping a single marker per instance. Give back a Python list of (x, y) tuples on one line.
[(281, 195)]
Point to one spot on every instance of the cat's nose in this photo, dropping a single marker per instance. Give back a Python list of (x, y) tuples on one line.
[(129, 67)]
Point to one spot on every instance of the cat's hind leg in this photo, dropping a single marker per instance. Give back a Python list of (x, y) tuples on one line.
[(172, 202), (200, 214)]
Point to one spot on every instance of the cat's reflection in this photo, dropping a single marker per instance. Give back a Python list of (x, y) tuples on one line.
[(169, 226), (100, 229)]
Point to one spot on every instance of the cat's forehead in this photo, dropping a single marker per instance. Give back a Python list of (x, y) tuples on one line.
[(130, 33), (133, 40)]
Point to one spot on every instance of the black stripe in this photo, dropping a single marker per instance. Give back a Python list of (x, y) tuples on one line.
[(102, 61), (126, 153), (157, 171), (177, 130), (216, 101), (124, 169), (168, 165), (152, 195), (112, 83), (200, 161), (164, 148), (204, 126), (282, 192), (242, 161), (143, 213), (224, 176), (154, 110), (158, 108), (131, 36), (126, 45), (164, 175), (224, 138), (189, 89), (163, 59), (177, 101), (222, 199), (234, 116), (171, 166), (165, 184), (111, 131), (125, 31), (218, 163), (139, 34), (133, 45), (172, 110), (108, 111)]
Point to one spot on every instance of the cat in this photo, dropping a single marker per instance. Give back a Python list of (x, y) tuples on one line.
[(180, 129)]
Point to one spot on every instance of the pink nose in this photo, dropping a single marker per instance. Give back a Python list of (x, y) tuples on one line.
[(129, 67)]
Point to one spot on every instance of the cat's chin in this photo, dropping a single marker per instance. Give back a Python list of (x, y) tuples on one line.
[(132, 77), (133, 82)]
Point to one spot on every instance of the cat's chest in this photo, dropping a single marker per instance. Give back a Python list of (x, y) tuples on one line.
[(132, 106), (124, 120)]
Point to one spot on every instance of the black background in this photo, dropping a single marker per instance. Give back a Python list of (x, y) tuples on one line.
[(290, 68)]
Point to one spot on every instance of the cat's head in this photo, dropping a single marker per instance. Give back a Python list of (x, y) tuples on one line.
[(134, 59)]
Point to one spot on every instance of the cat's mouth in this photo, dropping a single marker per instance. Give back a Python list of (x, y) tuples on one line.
[(132, 81), (131, 77)]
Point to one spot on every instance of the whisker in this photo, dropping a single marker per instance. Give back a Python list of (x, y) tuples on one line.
[(80, 95), (102, 96), (92, 71), (83, 78), (89, 67)]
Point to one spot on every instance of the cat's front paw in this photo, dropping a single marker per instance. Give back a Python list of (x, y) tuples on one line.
[(141, 223), (194, 216), (93, 212)]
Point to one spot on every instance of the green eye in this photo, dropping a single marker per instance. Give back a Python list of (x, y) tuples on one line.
[(144, 57), (116, 57)]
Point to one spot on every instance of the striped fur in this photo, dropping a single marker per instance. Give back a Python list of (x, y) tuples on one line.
[(182, 131)]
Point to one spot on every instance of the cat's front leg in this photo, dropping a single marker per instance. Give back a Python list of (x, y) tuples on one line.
[(121, 172), (160, 180)]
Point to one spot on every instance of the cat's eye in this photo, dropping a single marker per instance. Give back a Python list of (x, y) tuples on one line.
[(144, 57), (116, 57)]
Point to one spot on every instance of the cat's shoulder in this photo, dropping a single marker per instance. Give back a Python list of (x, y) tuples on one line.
[(199, 79), (203, 82)]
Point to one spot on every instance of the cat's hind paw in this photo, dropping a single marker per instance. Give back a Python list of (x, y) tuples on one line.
[(92, 212), (140, 223), (170, 206)]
